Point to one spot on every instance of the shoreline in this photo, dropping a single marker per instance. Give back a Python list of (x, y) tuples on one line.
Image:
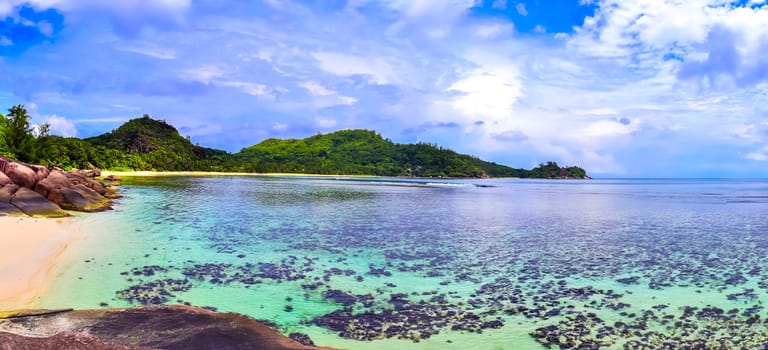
[(31, 248), (146, 173), (105, 173)]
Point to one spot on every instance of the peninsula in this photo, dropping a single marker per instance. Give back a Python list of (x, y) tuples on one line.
[(147, 144)]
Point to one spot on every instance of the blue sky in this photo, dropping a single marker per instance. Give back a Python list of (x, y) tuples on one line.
[(623, 88)]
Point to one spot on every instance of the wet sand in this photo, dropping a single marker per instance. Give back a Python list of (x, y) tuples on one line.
[(29, 254)]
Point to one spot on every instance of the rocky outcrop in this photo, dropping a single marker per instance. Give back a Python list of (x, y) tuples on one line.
[(36, 191), (24, 175), (4, 180), (33, 204), (159, 327)]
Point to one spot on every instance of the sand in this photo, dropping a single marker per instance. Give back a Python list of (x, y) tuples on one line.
[(29, 249)]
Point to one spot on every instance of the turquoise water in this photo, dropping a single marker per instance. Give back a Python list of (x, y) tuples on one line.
[(481, 264)]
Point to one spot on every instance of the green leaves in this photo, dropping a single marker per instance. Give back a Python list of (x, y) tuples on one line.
[(148, 144), (4, 151)]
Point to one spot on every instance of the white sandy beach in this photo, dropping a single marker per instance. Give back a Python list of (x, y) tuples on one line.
[(28, 259)]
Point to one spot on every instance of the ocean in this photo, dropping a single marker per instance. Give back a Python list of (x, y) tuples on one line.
[(361, 263)]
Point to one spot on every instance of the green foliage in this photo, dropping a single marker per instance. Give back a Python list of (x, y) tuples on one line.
[(20, 139), (342, 152), (4, 151), (365, 152), (148, 144), (70, 152), (18, 134), (551, 170)]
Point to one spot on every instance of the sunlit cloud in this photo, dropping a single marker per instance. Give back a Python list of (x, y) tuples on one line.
[(644, 88)]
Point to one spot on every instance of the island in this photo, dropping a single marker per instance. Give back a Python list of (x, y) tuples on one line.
[(153, 145)]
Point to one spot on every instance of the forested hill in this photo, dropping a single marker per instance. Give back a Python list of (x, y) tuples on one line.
[(364, 152), (148, 144), (159, 145)]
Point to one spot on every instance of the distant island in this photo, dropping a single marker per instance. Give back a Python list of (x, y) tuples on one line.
[(149, 144)]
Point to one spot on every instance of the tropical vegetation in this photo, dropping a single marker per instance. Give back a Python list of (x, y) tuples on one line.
[(148, 144)]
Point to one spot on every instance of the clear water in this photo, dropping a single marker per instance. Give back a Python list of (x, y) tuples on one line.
[(486, 264)]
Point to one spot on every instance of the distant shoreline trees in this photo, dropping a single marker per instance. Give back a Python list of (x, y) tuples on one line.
[(148, 144)]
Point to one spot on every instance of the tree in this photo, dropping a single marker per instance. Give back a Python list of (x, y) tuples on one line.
[(20, 135), (3, 144)]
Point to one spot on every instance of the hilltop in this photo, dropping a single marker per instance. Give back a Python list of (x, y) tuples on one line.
[(148, 144), (160, 145), (364, 152)]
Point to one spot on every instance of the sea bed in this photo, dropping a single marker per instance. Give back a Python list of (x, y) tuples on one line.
[(524, 264)]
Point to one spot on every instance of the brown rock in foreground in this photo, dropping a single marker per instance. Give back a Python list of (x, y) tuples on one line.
[(37, 191), (35, 205), (157, 327)]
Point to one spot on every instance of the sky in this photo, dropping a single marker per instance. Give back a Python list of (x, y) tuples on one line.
[(645, 88)]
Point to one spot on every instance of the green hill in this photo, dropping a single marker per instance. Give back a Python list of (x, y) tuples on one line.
[(366, 152), (148, 144), (160, 146)]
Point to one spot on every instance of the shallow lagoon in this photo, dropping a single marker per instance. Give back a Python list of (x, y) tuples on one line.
[(376, 263)]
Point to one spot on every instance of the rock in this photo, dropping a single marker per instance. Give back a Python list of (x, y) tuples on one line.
[(112, 178), (87, 173), (67, 190), (162, 327), (33, 204), (82, 198), (4, 180), (61, 341), (75, 178), (19, 173), (98, 187), (52, 185), (7, 209), (111, 193), (7, 192)]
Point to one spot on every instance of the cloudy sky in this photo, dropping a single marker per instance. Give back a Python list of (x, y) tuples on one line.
[(660, 88)]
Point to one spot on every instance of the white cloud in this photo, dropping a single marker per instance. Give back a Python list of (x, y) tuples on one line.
[(325, 123), (487, 93), (150, 50), (61, 126), (422, 8), (432, 19), (253, 89), (492, 30), (4, 41), (324, 97), (758, 156), (124, 6), (279, 127), (45, 28), (377, 70), (694, 31), (521, 10), (754, 132), (395, 65), (606, 128), (317, 89), (204, 74), (127, 16)]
